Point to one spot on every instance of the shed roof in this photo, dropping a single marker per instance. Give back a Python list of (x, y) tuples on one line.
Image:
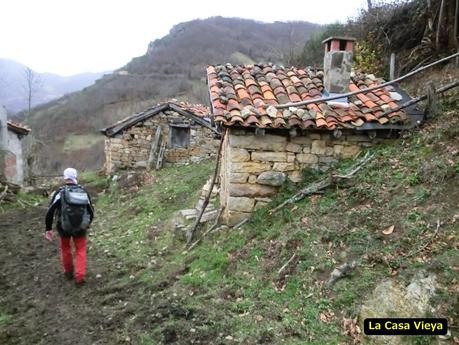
[(18, 128), (242, 96), (199, 113)]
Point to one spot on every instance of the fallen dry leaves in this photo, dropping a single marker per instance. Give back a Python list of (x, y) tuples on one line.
[(351, 329), (326, 316), (388, 230)]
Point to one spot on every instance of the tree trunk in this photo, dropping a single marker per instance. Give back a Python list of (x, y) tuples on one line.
[(455, 33), (29, 100), (440, 20)]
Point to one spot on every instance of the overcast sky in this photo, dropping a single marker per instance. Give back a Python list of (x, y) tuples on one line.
[(68, 37)]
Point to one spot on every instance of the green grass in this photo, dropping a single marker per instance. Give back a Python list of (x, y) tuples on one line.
[(75, 142), (5, 319), (231, 280), (23, 200)]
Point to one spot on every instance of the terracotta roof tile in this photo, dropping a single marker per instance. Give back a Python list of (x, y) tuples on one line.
[(294, 98), (283, 98), (268, 95), (242, 93), (245, 92), (265, 88)]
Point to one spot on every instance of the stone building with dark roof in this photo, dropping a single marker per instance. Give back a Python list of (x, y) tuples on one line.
[(270, 137), (11, 157), (167, 133)]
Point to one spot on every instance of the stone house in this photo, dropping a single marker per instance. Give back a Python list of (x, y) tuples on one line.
[(11, 157), (168, 133), (265, 145)]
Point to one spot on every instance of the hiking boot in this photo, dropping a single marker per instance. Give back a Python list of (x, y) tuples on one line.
[(80, 283), (68, 275)]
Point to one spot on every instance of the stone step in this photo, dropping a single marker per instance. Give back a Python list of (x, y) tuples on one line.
[(189, 213), (210, 205), (209, 215)]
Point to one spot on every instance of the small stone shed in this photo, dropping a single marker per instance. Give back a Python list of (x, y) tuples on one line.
[(168, 133), (11, 159), (264, 145)]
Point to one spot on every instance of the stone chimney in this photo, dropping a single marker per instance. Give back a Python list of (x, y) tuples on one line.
[(337, 64)]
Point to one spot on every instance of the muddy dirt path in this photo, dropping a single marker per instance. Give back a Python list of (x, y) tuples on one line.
[(40, 305)]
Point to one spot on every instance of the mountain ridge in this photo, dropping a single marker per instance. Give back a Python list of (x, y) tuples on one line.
[(52, 86), (173, 67)]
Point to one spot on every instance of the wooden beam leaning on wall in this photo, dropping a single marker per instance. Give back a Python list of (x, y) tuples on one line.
[(152, 157)]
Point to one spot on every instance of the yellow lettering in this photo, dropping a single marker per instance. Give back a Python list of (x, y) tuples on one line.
[(428, 326), (376, 326)]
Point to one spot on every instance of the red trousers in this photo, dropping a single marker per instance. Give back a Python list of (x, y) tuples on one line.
[(80, 256)]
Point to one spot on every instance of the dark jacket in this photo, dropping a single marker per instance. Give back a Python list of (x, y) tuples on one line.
[(54, 208)]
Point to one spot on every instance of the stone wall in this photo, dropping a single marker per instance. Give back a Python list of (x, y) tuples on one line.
[(254, 167), (8, 166), (130, 148), (15, 146)]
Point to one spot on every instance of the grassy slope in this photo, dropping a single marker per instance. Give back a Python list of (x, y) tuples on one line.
[(227, 289), (76, 142)]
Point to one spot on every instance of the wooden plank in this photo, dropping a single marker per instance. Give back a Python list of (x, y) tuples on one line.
[(159, 162), (154, 148), (432, 107)]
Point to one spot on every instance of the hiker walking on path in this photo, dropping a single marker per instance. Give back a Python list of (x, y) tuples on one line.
[(73, 208)]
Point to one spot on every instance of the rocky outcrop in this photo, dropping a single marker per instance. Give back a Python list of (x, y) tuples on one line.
[(392, 298)]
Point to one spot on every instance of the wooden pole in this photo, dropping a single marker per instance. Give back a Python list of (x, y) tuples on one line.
[(154, 148), (323, 183), (420, 98), (363, 91), (192, 230)]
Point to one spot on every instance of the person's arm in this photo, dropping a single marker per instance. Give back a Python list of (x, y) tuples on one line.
[(90, 207), (54, 204)]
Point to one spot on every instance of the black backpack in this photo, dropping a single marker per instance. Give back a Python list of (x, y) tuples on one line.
[(75, 217)]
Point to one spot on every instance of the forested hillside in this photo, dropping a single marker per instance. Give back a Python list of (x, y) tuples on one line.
[(375, 236), (173, 67)]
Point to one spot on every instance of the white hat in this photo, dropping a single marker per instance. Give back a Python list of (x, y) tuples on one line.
[(71, 174)]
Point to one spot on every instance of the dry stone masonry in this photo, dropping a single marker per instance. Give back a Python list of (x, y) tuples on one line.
[(297, 126), (130, 148), (255, 166)]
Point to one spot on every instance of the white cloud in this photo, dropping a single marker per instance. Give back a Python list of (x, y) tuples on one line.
[(67, 37)]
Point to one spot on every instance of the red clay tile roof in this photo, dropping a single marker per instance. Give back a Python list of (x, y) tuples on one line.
[(198, 112), (242, 96), (18, 128)]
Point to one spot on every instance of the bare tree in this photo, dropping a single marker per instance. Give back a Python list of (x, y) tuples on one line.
[(291, 44), (455, 32), (31, 84), (440, 20)]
